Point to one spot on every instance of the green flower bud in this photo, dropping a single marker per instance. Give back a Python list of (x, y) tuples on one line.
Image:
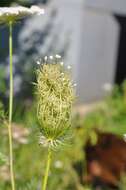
[(55, 96)]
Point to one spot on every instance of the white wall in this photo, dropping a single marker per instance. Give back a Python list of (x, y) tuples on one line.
[(93, 48), (116, 6), (70, 16), (98, 54)]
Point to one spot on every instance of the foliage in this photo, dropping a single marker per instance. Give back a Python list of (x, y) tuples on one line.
[(2, 114), (2, 80), (109, 116), (21, 2), (6, 3), (30, 164), (9, 2), (122, 183)]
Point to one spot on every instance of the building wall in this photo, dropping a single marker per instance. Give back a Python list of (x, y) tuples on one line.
[(93, 49), (115, 6), (98, 55)]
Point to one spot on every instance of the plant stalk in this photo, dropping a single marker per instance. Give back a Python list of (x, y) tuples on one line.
[(49, 158), (11, 108)]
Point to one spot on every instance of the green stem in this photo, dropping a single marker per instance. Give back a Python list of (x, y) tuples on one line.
[(44, 186), (11, 108)]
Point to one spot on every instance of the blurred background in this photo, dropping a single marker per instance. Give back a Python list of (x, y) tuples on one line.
[(90, 35)]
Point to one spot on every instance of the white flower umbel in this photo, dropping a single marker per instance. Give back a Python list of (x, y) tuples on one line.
[(12, 14), (8, 16)]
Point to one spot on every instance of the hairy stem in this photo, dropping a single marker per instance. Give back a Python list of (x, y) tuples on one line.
[(49, 158), (11, 108)]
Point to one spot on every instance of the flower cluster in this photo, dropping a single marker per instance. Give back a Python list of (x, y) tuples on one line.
[(13, 14), (55, 96)]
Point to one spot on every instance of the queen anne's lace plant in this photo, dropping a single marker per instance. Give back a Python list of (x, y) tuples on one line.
[(13, 14), (55, 94), (8, 16), (55, 98)]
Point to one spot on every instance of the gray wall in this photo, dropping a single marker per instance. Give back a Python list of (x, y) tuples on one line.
[(98, 54), (116, 6), (94, 44)]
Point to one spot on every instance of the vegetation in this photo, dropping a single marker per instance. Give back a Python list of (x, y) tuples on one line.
[(30, 157), (110, 114)]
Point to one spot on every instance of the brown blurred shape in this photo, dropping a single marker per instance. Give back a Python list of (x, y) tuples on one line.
[(106, 161)]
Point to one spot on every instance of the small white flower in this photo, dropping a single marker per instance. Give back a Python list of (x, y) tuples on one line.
[(45, 58), (58, 164), (62, 63), (74, 84), (43, 141), (8, 14), (38, 62), (62, 74), (68, 67), (107, 87), (36, 10), (58, 56), (124, 137), (51, 57)]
